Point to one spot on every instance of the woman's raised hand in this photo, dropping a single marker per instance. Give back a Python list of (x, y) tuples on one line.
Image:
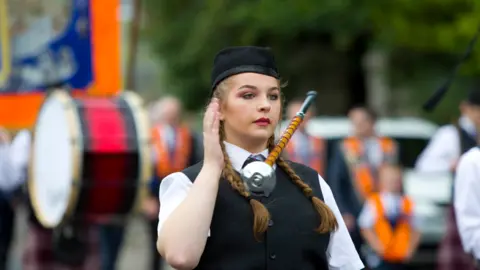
[(213, 155)]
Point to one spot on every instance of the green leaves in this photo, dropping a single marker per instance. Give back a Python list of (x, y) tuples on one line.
[(186, 34)]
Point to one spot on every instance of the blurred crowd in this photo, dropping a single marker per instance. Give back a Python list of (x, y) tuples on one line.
[(364, 173)]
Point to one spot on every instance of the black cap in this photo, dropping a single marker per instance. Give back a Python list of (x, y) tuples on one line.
[(441, 91), (235, 60)]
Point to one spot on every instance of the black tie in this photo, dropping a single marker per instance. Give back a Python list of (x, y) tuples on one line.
[(253, 158)]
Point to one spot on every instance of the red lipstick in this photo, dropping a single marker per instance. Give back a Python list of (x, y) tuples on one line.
[(262, 121)]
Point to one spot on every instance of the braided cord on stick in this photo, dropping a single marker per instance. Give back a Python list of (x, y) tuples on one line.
[(287, 135)]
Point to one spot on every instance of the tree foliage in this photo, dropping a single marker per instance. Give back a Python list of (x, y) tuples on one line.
[(185, 35)]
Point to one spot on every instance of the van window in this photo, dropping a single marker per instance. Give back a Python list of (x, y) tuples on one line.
[(410, 149)]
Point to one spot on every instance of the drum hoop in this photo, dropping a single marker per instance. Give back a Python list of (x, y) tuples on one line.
[(77, 148), (143, 140)]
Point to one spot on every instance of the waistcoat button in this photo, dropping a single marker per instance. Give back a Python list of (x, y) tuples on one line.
[(270, 223), (273, 256)]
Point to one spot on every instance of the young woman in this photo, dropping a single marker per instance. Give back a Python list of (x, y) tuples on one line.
[(206, 213)]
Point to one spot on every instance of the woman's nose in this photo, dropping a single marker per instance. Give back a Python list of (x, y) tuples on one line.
[(264, 105)]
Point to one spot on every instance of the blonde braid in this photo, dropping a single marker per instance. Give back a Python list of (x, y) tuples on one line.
[(261, 216), (328, 222)]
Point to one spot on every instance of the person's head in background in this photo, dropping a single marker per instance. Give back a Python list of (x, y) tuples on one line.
[(470, 107), (153, 112), (293, 108), (390, 178), (363, 121), (168, 111)]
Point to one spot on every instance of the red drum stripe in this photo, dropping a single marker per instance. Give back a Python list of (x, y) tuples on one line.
[(104, 121), (108, 142)]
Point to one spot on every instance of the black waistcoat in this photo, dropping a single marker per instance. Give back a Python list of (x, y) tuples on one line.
[(466, 141), (290, 242)]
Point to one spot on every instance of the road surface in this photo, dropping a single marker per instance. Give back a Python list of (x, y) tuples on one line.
[(134, 254)]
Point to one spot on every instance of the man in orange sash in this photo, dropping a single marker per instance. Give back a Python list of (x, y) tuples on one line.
[(388, 223), (175, 147), (304, 148), (354, 166)]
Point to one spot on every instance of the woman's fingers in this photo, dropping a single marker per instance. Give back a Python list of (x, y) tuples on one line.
[(216, 123), (215, 118), (214, 111), (210, 116), (207, 118)]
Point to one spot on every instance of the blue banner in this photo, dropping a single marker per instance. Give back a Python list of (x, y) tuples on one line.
[(44, 42)]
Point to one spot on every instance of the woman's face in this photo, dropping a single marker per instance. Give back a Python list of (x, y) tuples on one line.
[(250, 108)]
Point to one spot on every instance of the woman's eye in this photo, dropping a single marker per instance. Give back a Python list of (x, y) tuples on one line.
[(274, 97), (248, 96)]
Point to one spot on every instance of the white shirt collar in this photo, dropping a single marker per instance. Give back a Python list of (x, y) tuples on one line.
[(238, 155), (467, 125)]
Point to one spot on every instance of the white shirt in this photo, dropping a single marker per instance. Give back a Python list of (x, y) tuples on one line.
[(443, 149), (7, 178), (341, 252), (391, 203), (14, 159), (366, 220), (21, 149), (467, 201), (373, 151)]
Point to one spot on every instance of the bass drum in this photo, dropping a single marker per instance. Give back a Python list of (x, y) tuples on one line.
[(90, 158)]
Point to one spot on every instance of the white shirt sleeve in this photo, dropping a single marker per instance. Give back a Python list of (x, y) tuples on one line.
[(441, 152), (21, 149), (173, 190), (366, 219), (467, 201), (20, 156), (341, 252), (7, 173)]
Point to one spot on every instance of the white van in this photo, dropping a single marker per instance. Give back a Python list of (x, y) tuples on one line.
[(429, 192)]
